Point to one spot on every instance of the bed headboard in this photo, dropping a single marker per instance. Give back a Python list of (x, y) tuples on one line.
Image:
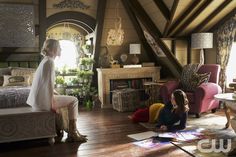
[(28, 60)]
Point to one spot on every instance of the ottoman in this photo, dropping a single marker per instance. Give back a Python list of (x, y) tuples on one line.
[(125, 99)]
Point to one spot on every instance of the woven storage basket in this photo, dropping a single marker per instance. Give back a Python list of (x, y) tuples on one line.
[(125, 99)]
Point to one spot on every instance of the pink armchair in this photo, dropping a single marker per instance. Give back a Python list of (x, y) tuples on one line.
[(202, 99)]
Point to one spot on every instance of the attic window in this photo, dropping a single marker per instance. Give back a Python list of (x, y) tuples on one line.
[(68, 57), (231, 70)]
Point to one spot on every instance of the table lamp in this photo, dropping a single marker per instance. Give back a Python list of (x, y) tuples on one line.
[(202, 41), (135, 49)]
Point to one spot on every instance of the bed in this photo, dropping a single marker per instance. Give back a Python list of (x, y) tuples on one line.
[(15, 96), (17, 119)]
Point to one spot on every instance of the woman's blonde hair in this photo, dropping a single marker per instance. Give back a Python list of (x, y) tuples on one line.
[(48, 46)]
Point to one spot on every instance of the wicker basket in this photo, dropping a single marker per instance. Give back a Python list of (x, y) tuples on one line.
[(125, 99)]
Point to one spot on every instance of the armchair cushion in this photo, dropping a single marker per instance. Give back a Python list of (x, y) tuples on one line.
[(197, 79), (186, 76)]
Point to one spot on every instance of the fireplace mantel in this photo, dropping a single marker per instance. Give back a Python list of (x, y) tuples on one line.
[(108, 74)]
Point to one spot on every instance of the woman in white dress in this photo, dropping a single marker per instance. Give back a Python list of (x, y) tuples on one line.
[(42, 96)]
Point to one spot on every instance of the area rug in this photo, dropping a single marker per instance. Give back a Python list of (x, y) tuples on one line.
[(213, 126), (208, 121)]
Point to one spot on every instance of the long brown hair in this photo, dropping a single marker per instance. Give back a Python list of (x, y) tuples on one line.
[(181, 101)]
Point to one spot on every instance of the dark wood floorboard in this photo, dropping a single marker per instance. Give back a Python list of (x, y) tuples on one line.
[(107, 132)]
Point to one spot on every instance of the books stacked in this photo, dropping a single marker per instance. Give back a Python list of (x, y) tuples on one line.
[(132, 66)]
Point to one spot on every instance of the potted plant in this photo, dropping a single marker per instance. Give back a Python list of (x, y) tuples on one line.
[(72, 70), (60, 81), (64, 70), (60, 85), (86, 63)]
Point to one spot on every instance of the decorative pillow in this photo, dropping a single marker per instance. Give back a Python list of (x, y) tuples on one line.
[(10, 80), (186, 76), (4, 71), (198, 79), (24, 71)]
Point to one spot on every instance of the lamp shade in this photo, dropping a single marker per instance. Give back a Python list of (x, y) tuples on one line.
[(135, 49), (202, 40)]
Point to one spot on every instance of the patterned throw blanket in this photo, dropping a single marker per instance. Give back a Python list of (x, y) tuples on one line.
[(13, 96)]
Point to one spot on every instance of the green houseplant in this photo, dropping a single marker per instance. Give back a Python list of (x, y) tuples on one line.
[(60, 81)]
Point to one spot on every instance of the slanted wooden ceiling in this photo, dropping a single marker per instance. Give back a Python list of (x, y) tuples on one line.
[(174, 19)]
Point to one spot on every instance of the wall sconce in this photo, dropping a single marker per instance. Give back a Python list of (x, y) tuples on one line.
[(202, 41), (135, 49)]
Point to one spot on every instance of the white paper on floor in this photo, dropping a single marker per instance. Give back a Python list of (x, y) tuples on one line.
[(142, 135)]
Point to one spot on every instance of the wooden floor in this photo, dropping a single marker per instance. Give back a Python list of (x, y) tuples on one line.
[(107, 132)]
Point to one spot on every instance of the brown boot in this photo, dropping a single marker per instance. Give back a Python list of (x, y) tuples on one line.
[(73, 134)]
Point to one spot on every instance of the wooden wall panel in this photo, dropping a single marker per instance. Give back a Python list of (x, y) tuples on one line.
[(195, 56), (181, 51), (130, 35)]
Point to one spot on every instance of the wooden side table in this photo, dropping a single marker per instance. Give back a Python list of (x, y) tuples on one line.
[(152, 89)]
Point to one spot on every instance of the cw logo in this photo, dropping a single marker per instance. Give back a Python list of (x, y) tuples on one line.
[(213, 146)]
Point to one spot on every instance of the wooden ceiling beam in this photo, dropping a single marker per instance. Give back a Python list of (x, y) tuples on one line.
[(141, 13), (139, 30), (183, 16), (223, 20), (192, 17), (163, 8), (98, 36), (150, 26), (211, 16), (172, 13)]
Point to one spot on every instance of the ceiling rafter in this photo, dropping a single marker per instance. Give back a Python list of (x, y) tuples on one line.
[(172, 13), (163, 8), (98, 34), (138, 29), (150, 26), (183, 16), (144, 16), (192, 17), (211, 16), (223, 20)]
